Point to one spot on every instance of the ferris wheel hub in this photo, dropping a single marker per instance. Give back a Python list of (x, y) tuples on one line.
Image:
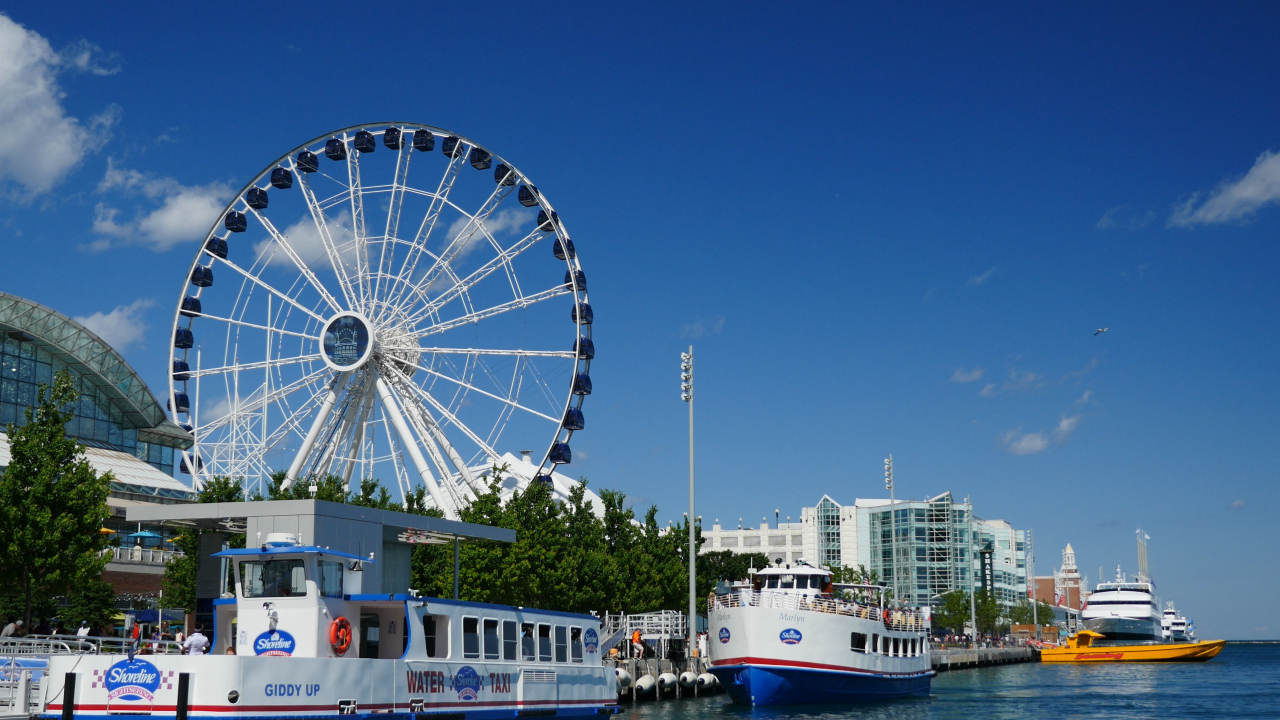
[(347, 340)]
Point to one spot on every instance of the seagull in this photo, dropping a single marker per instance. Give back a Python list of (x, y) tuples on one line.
[(1101, 330)]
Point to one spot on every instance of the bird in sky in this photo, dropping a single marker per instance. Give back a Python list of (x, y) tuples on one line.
[(1101, 330)]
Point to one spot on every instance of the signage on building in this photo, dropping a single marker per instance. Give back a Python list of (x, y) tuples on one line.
[(988, 573)]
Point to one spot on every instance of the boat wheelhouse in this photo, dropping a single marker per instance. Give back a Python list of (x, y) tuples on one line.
[(319, 632), (791, 636), (1123, 611)]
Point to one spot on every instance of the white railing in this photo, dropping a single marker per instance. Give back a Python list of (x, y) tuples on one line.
[(19, 691), (150, 556), (892, 619), (46, 645), (664, 623)]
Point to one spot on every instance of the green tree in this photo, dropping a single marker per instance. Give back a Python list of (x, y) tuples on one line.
[(93, 601), (52, 503), (1021, 614), (953, 614), (987, 610), (179, 583)]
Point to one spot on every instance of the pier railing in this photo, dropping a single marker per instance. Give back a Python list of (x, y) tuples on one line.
[(893, 619), (150, 556), (46, 645)]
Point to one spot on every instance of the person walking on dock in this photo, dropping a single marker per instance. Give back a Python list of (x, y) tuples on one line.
[(197, 644)]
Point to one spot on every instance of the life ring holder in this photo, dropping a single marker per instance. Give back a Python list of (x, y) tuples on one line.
[(340, 635)]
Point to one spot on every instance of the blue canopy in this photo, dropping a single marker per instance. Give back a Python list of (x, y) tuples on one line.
[(144, 534)]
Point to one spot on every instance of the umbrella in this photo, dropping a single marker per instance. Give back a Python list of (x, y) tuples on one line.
[(106, 531), (144, 534)]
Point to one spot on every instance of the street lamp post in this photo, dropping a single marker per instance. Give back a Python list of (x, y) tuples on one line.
[(893, 525), (973, 609), (1031, 577), (686, 394)]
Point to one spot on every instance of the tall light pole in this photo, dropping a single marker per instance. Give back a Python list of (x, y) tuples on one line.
[(893, 525), (686, 394), (1031, 577), (973, 608)]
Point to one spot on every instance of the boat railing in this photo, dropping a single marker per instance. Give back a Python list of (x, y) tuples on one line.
[(46, 645), (893, 619), (146, 556)]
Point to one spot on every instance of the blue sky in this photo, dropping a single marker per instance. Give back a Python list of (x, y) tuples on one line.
[(885, 230)]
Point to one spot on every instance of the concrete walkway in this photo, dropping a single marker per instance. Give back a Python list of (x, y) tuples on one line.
[(955, 659)]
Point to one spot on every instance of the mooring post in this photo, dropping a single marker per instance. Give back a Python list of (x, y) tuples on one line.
[(69, 696), (184, 695)]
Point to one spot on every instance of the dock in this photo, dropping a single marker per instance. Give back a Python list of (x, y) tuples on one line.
[(961, 658)]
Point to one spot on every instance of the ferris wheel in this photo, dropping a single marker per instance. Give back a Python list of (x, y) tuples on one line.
[(384, 301)]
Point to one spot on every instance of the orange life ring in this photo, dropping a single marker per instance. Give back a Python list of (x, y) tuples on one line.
[(340, 635)]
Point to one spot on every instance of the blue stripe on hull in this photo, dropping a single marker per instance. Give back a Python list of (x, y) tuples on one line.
[(752, 685), (478, 714)]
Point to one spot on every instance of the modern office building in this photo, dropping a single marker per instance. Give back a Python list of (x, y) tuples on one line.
[(119, 421), (940, 544)]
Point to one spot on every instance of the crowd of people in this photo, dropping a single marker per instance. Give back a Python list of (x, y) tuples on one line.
[(194, 644)]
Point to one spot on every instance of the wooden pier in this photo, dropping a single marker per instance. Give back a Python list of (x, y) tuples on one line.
[(960, 658)]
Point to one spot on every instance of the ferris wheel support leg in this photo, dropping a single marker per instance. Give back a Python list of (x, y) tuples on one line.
[(321, 417), (411, 444)]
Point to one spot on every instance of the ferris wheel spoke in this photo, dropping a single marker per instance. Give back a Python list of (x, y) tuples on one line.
[(473, 388), (265, 286), (477, 316), (326, 238), (357, 224), (438, 201), (255, 326), (459, 288), (481, 351), (454, 421), (253, 405), (386, 258), (435, 442), (255, 365), (475, 223), (285, 245)]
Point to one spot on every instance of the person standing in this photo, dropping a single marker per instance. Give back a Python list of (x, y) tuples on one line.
[(83, 631), (13, 629), (197, 644), (178, 636)]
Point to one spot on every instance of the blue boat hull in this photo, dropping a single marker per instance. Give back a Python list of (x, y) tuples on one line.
[(772, 685)]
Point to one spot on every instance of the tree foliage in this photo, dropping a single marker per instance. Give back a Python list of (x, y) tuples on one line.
[(987, 610), (953, 614), (52, 503), (1021, 614)]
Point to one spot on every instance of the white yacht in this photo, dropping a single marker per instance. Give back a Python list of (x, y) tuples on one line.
[(1124, 611), (1175, 628)]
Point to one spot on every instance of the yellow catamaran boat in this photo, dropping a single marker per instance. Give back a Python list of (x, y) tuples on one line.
[(1080, 649)]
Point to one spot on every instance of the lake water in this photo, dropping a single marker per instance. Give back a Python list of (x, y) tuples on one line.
[(1242, 682)]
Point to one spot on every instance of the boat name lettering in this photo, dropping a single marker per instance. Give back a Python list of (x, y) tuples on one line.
[(427, 681), (790, 636), (1100, 656), (500, 682), (787, 617), (291, 689)]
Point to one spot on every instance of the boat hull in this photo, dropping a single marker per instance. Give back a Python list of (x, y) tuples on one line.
[(1181, 652), (772, 685)]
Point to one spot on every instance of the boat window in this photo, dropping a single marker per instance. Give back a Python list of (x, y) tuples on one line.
[(885, 645), (802, 582), (435, 632), (527, 649), (562, 644), (491, 642), (544, 642), (858, 642), (509, 639), (773, 582), (875, 643), (470, 637), (787, 581), (575, 644), (273, 578), (331, 578)]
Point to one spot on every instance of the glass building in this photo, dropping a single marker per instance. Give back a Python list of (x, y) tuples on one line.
[(934, 552), (117, 418)]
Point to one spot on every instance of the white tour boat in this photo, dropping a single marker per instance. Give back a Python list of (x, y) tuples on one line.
[(1174, 628), (789, 636), (310, 644), (1123, 611)]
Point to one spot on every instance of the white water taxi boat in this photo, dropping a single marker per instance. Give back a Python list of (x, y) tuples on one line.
[(310, 644), (792, 637)]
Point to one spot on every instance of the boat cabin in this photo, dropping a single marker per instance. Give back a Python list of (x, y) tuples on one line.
[(803, 579)]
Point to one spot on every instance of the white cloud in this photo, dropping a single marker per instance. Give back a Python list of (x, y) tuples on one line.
[(1028, 444), (499, 223), (964, 376), (1237, 504), (1123, 217), (1233, 200), (40, 144), (988, 390), (1017, 382), (699, 327), (121, 327), (1066, 426), (304, 239), (185, 213), (1085, 398), (983, 278), (87, 57)]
